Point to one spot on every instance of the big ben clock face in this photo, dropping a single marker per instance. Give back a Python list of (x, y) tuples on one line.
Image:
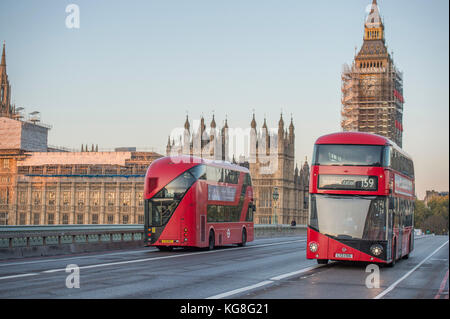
[(369, 86)]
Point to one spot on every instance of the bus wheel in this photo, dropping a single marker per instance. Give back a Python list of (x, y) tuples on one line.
[(322, 261), (244, 238), (211, 240)]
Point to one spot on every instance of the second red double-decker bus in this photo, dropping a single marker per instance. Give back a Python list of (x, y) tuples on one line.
[(361, 200), (193, 202)]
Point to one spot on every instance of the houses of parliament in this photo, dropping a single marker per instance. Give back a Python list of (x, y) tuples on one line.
[(270, 159), (40, 184)]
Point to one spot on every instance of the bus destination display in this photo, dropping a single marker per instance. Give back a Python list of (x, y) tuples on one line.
[(348, 182)]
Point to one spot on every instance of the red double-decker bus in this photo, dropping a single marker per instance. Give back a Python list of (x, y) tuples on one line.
[(361, 200), (193, 202)]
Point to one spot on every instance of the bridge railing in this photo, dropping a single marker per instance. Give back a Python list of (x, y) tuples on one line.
[(45, 240), (29, 236)]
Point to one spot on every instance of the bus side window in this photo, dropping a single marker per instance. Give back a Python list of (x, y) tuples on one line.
[(231, 176), (214, 174), (247, 180), (250, 213), (198, 171), (391, 203), (387, 156)]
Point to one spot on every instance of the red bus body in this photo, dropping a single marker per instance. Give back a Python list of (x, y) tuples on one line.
[(359, 224), (208, 207)]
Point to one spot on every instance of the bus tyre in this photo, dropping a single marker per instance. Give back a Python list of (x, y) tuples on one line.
[(211, 240), (322, 261), (244, 238)]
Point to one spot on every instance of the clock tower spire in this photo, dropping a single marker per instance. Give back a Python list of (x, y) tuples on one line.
[(372, 87)]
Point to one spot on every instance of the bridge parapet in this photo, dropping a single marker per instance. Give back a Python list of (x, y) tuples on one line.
[(48, 240)]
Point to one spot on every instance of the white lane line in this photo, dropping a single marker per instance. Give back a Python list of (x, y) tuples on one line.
[(153, 258), (391, 287), (19, 276), (71, 258), (263, 283), (294, 273), (239, 290)]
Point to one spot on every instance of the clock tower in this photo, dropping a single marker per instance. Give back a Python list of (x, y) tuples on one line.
[(372, 87)]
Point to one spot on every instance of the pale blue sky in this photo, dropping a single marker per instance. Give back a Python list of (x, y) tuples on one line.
[(133, 69)]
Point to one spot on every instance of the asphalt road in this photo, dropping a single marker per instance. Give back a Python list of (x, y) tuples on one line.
[(274, 268)]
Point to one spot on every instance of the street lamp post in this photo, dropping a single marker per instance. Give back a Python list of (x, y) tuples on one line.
[(275, 196)]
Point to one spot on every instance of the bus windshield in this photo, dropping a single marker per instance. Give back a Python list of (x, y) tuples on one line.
[(349, 217), (161, 207), (348, 155)]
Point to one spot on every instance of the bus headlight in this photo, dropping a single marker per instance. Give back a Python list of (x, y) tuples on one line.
[(313, 247), (376, 249)]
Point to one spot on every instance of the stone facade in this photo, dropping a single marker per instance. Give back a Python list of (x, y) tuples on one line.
[(73, 187)]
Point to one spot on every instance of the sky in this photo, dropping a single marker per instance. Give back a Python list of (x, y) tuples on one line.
[(133, 69)]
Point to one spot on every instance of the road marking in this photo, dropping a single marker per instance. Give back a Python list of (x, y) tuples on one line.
[(70, 258), (19, 276), (391, 287), (297, 272), (263, 283), (239, 290), (441, 288), (151, 259)]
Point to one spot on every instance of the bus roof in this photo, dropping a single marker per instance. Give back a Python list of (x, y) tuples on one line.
[(358, 138), (191, 161)]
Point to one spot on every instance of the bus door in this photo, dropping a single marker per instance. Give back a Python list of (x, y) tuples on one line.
[(401, 226), (203, 228), (397, 226), (390, 224)]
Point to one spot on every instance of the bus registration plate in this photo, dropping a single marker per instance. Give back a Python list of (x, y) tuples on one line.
[(167, 241), (348, 256)]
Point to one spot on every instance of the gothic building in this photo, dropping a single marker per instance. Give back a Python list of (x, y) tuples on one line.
[(270, 157), (5, 89), (372, 87)]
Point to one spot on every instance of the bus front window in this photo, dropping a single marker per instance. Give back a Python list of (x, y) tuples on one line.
[(161, 207), (349, 217), (348, 155)]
